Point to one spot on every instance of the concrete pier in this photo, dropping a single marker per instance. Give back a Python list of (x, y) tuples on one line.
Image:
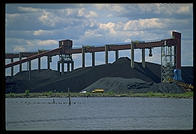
[(83, 56), (93, 58), (12, 68), (132, 55), (143, 58), (116, 54), (106, 54)]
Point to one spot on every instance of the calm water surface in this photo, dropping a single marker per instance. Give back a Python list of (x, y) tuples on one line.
[(99, 113)]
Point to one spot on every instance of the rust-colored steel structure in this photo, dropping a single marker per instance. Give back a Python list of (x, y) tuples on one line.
[(174, 41)]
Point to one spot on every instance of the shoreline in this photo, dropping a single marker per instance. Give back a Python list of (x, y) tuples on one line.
[(106, 94)]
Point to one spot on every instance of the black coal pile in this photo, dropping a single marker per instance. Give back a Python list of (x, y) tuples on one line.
[(123, 85), (79, 79)]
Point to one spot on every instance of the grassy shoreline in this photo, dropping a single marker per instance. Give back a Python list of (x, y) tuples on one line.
[(106, 94)]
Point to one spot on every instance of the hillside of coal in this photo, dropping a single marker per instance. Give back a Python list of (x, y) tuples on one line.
[(79, 79), (124, 85)]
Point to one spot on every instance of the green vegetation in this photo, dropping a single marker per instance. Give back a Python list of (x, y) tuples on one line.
[(11, 95), (26, 93), (105, 94)]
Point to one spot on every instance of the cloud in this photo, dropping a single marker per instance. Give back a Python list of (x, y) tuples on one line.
[(47, 42), (41, 26), (19, 49), (48, 18), (91, 14), (111, 7), (12, 15), (92, 33), (42, 32), (81, 12), (41, 42), (28, 9), (143, 24), (184, 9), (108, 26)]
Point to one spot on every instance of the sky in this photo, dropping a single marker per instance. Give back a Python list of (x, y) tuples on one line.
[(30, 27)]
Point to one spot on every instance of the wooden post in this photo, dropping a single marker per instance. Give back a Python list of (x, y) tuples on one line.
[(69, 97)]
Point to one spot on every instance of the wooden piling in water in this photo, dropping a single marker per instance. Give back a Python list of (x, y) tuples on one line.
[(69, 97)]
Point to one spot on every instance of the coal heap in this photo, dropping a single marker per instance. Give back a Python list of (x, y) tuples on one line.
[(79, 79), (123, 85)]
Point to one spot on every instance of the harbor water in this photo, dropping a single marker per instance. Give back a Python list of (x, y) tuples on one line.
[(99, 113)]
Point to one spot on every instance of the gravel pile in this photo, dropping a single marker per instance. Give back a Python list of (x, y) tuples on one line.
[(79, 79)]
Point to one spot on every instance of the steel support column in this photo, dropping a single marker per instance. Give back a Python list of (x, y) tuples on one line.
[(132, 55), (39, 63), (58, 67), (143, 57), (29, 62), (12, 68), (20, 66), (68, 67), (62, 67), (177, 49), (48, 61), (116, 54), (72, 66), (93, 58), (106, 54), (83, 56)]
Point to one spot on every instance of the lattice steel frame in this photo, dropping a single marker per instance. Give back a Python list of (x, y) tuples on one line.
[(167, 62)]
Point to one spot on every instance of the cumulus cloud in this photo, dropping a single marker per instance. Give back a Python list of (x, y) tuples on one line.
[(47, 42), (28, 9), (42, 32), (12, 15), (91, 14), (184, 9), (41, 42), (109, 26), (143, 24), (48, 18), (111, 7), (95, 24), (19, 49)]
